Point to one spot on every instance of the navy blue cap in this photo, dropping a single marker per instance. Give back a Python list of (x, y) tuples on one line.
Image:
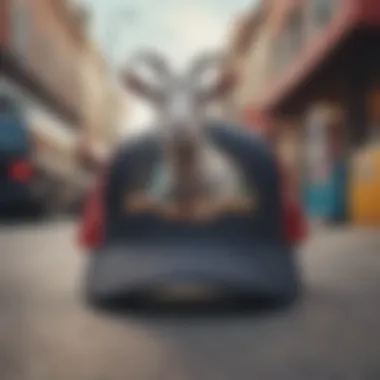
[(240, 253)]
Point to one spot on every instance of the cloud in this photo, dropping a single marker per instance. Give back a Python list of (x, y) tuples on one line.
[(194, 25), (193, 28)]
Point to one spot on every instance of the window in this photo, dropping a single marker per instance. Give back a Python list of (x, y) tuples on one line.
[(46, 59), (374, 114), (74, 88), (316, 142), (322, 12), (20, 27), (13, 131), (279, 54), (61, 63), (289, 42), (295, 33), (50, 61)]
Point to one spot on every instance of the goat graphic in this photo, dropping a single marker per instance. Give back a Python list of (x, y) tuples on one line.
[(195, 180)]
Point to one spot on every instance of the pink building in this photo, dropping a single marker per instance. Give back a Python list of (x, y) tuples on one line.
[(313, 52)]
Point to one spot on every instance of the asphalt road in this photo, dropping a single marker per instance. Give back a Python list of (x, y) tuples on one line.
[(46, 333)]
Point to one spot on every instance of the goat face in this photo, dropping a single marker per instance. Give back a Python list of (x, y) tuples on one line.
[(180, 102), (180, 115)]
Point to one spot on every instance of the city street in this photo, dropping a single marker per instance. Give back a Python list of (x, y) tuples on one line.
[(47, 333)]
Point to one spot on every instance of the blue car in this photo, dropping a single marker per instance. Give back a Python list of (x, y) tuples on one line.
[(17, 173)]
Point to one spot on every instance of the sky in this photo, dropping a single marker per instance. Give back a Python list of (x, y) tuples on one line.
[(178, 28)]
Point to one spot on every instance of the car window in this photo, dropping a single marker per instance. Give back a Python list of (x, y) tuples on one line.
[(13, 130), (12, 135)]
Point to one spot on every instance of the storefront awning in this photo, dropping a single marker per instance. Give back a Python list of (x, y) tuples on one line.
[(309, 60)]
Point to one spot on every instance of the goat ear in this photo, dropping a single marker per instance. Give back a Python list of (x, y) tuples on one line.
[(139, 86)]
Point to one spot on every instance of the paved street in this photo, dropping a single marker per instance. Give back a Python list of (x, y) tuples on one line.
[(46, 333)]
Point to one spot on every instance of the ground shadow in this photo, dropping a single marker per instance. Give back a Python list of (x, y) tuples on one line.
[(21, 216), (226, 307)]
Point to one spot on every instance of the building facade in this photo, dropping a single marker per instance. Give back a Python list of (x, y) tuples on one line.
[(41, 43), (102, 108), (302, 46), (239, 44), (308, 58), (41, 46)]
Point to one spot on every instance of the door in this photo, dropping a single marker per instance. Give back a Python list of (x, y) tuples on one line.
[(317, 166)]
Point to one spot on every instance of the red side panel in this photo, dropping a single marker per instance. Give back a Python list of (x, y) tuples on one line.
[(91, 230), (295, 221)]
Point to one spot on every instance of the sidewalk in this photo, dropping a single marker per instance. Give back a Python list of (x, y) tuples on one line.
[(344, 257), (317, 227), (337, 238)]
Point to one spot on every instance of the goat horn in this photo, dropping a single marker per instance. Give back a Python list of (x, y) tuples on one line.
[(204, 62), (155, 60)]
